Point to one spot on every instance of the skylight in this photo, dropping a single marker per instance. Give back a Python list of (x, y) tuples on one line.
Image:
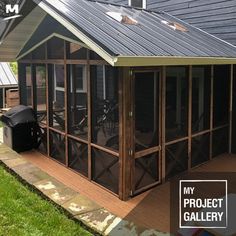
[(124, 19), (175, 26)]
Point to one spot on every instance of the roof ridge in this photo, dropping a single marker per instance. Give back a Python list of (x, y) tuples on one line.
[(125, 6)]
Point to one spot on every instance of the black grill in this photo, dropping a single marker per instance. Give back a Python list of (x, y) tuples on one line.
[(20, 129)]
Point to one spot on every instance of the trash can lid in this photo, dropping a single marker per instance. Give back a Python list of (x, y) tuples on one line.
[(18, 115)]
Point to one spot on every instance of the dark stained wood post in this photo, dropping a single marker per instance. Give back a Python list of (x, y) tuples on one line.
[(89, 114), (125, 133), (231, 107), (163, 123), (66, 94), (190, 117), (47, 98), (211, 110)]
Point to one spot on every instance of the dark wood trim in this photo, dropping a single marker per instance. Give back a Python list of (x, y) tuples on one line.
[(201, 133), (190, 81), (220, 127), (177, 140), (160, 123), (211, 109), (66, 92), (163, 125), (121, 135), (147, 152), (89, 102), (126, 139), (114, 153), (47, 107), (47, 61), (231, 107), (57, 131), (70, 136), (75, 62), (61, 61)]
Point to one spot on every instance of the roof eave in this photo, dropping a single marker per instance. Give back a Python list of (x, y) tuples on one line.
[(171, 61)]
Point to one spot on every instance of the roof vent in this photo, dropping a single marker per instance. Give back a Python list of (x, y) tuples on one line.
[(175, 26), (124, 19)]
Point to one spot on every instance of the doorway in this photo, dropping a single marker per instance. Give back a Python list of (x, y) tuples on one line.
[(146, 125)]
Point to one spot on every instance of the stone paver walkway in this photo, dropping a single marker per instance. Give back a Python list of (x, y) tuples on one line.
[(81, 207)]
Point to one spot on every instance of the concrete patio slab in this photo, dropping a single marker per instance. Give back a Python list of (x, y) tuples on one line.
[(14, 162), (80, 204), (30, 173), (55, 191), (98, 220), (49, 184), (8, 155), (5, 150), (120, 227)]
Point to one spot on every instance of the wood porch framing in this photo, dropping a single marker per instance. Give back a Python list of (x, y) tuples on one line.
[(126, 154)]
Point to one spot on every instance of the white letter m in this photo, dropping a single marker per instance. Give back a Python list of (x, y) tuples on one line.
[(11, 9)]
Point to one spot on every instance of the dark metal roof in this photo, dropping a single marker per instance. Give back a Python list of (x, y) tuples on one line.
[(217, 17), (7, 77), (150, 37)]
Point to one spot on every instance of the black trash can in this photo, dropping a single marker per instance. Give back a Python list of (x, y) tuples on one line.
[(20, 128)]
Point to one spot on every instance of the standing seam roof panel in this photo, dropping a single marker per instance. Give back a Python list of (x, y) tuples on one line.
[(84, 21), (159, 38), (138, 40), (141, 41), (7, 77)]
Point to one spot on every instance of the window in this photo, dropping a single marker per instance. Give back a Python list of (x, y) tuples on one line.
[(40, 74), (29, 89), (138, 3), (78, 73), (56, 97), (26, 86), (77, 101), (59, 75), (76, 51)]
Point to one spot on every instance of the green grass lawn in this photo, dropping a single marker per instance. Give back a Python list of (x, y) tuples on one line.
[(23, 212)]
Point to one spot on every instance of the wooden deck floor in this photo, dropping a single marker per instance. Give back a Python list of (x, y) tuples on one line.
[(150, 209)]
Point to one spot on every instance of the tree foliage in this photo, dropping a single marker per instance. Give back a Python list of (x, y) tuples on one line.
[(14, 67)]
